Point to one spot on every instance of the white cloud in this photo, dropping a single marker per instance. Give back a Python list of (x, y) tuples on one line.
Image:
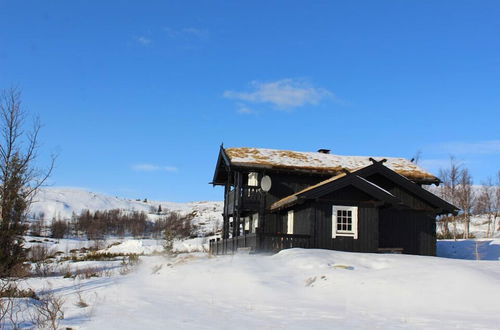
[(461, 148), (153, 168), (245, 110), (170, 168), (186, 32), (283, 94), (143, 40)]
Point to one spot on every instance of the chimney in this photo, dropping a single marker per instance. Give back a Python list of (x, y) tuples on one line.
[(324, 151)]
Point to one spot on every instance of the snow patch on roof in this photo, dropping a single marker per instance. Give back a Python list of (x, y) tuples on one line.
[(376, 186), (316, 161)]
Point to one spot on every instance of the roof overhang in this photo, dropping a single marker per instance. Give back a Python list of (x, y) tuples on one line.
[(222, 168)]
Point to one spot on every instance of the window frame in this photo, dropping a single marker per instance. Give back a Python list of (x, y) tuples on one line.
[(255, 222), (354, 221), (290, 222), (253, 179)]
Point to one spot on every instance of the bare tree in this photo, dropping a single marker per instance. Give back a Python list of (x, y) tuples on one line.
[(496, 203), (417, 157), (37, 226), (465, 198), (48, 311), (485, 203), (19, 178), (449, 192)]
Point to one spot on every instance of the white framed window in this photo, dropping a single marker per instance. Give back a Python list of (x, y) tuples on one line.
[(246, 220), (289, 223), (253, 180), (345, 221), (255, 222)]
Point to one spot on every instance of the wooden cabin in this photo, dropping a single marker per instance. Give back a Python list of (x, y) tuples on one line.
[(278, 199)]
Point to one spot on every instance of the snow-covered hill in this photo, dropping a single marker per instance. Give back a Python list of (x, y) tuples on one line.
[(62, 202)]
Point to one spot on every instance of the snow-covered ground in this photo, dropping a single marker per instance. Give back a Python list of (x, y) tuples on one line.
[(301, 289), (119, 245), (294, 289), (470, 249)]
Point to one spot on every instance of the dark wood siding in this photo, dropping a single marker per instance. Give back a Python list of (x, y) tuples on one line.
[(286, 184), (302, 218), (351, 195), (414, 231), (367, 230), (406, 197)]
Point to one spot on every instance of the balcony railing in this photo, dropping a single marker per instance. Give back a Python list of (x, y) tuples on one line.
[(249, 199), (268, 242), (278, 242)]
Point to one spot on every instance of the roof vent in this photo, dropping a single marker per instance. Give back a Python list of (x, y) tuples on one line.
[(324, 151)]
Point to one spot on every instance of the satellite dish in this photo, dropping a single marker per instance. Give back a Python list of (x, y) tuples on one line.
[(265, 183)]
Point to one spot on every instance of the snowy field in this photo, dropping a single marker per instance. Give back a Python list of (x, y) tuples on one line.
[(294, 289), (303, 289)]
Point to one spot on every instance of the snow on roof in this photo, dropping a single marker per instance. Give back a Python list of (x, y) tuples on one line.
[(316, 161), (376, 186)]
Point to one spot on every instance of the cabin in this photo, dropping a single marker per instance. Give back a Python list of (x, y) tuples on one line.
[(279, 199)]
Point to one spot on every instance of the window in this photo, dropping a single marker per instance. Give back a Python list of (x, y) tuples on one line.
[(345, 221), (255, 222), (289, 224), (253, 180), (246, 221)]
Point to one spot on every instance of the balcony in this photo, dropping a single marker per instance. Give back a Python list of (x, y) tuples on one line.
[(249, 200)]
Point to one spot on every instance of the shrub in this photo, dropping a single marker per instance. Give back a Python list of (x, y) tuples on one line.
[(58, 229), (48, 311), (10, 290), (39, 252)]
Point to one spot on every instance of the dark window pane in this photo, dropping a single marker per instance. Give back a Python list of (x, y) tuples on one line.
[(339, 226), (339, 213)]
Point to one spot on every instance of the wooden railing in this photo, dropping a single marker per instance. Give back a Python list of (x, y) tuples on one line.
[(248, 196), (277, 242), (231, 245), (267, 242)]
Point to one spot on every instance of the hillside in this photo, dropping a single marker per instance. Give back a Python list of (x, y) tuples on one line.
[(62, 202)]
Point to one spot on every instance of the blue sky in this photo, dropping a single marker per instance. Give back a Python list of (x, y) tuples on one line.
[(136, 96)]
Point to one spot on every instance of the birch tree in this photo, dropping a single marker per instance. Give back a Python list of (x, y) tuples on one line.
[(485, 204), (465, 198), (496, 203), (450, 178)]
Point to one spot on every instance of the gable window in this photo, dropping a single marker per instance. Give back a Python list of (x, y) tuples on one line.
[(253, 180), (289, 224), (345, 221)]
